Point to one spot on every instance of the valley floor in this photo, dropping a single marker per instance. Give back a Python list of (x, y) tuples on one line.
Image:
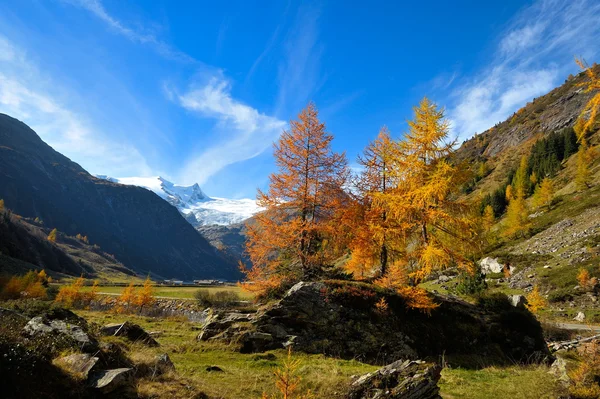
[(249, 375)]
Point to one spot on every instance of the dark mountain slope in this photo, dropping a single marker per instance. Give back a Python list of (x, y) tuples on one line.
[(24, 246), (143, 231)]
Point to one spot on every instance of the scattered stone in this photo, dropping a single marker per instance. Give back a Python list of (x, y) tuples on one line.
[(215, 368), (108, 380), (547, 267), (559, 370), (40, 325), (163, 364), (443, 279), (490, 265), (580, 317), (79, 364), (530, 275), (410, 379), (131, 331), (218, 322)]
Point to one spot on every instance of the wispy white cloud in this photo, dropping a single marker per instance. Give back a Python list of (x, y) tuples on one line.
[(534, 53), (27, 94), (299, 72), (243, 131), (135, 35)]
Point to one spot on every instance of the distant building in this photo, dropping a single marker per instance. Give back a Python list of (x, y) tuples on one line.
[(173, 282), (208, 282)]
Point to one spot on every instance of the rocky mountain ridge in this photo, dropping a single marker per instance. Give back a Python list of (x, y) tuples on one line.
[(141, 230)]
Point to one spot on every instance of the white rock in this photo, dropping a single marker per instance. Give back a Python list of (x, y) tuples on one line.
[(580, 317), (490, 265)]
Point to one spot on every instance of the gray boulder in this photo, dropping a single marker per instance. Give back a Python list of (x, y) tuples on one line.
[(410, 379), (79, 364), (131, 331), (163, 364), (108, 380), (39, 326)]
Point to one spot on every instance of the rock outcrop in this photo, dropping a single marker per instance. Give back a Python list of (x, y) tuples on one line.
[(129, 330), (64, 326), (79, 364), (107, 381), (340, 319), (410, 379)]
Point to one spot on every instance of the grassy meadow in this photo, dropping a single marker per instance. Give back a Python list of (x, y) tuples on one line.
[(246, 376), (176, 292)]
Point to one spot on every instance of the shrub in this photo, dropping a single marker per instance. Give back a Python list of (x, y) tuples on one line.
[(585, 379), (218, 299), (71, 295), (30, 285), (495, 301), (471, 283)]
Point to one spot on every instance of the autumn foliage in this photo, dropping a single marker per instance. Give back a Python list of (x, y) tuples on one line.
[(535, 300), (30, 285), (132, 299), (287, 380), (72, 295), (295, 237), (434, 227), (401, 218)]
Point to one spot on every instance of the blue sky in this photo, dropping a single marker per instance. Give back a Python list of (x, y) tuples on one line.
[(197, 91)]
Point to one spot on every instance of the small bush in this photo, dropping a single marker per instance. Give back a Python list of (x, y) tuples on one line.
[(495, 301), (560, 295), (30, 285), (471, 284), (219, 299)]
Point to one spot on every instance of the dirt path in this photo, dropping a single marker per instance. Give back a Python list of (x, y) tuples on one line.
[(579, 327)]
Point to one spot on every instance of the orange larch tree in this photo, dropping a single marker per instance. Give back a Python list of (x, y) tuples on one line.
[(294, 237)]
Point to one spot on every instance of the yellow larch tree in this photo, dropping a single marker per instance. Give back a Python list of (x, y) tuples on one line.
[(52, 236), (535, 300), (544, 193), (585, 124), (126, 299), (517, 222), (377, 238), (488, 218), (426, 204), (145, 296), (294, 238)]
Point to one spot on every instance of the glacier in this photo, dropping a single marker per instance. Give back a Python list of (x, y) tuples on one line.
[(198, 208)]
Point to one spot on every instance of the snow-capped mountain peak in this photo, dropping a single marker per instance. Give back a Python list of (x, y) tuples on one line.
[(192, 202)]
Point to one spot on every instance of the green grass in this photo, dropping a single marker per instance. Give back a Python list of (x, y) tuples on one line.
[(523, 382), (245, 375), (178, 292)]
